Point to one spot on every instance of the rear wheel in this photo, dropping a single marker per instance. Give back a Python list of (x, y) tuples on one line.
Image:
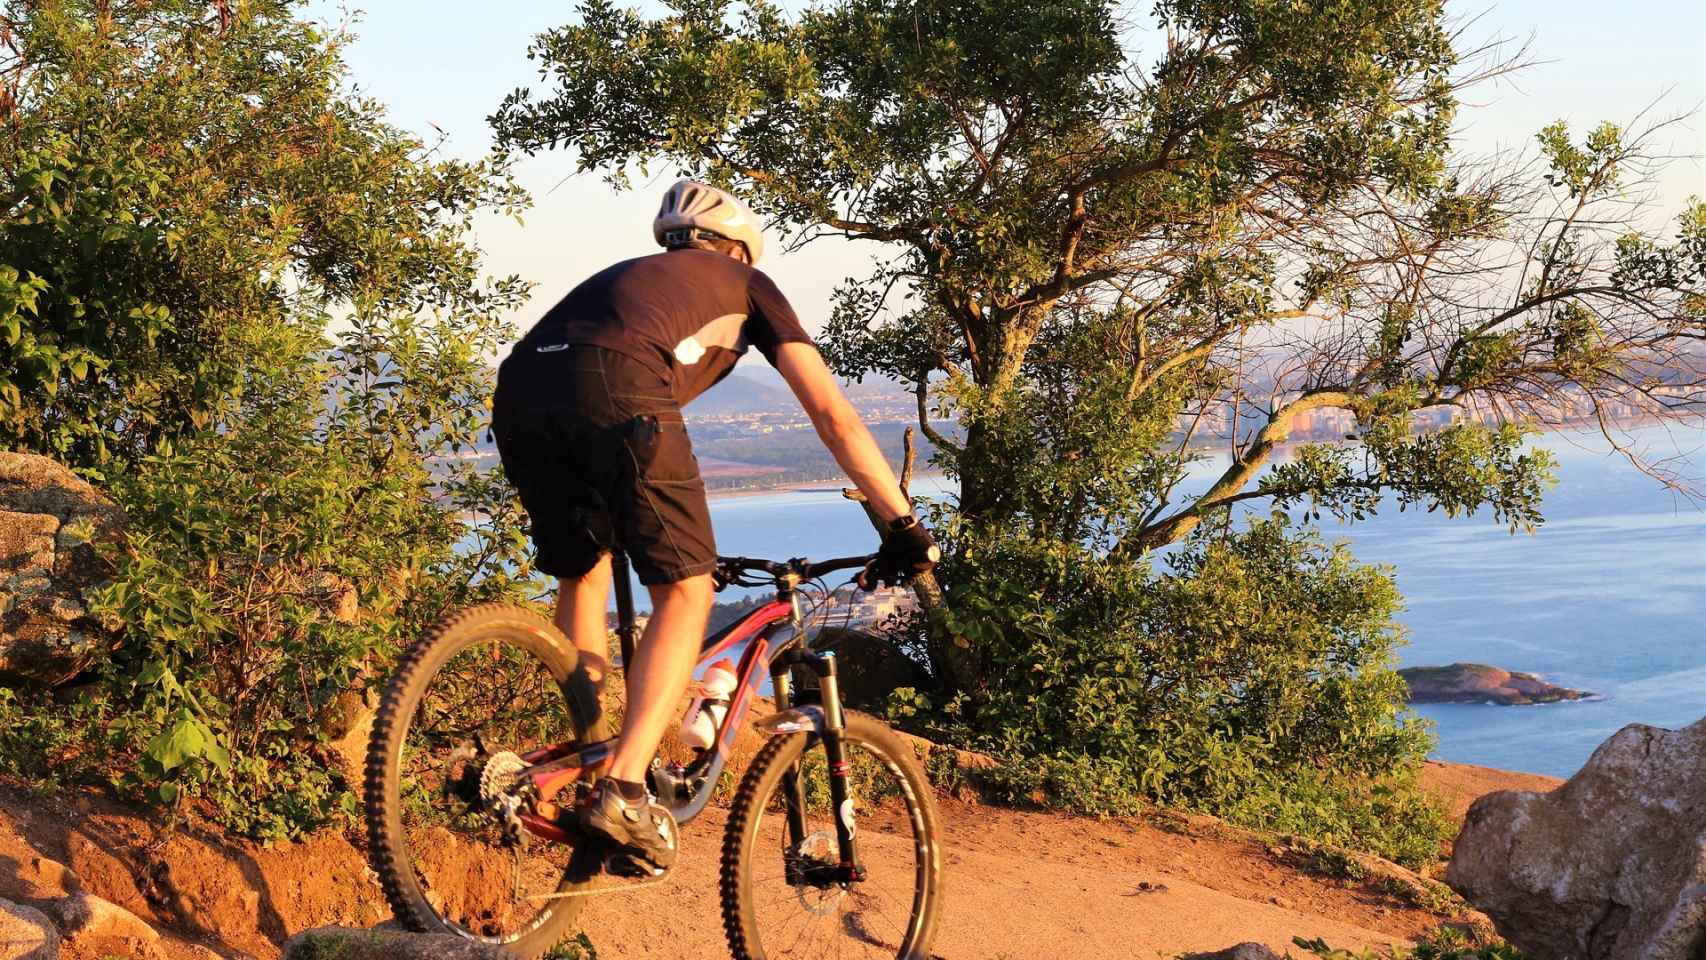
[(780, 901), (485, 686)]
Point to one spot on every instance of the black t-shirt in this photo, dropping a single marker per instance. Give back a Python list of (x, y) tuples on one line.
[(687, 314)]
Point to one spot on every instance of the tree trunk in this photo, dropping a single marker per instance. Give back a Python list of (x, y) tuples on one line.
[(996, 371), (952, 660)]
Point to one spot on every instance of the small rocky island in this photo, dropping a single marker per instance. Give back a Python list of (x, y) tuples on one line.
[(1479, 683)]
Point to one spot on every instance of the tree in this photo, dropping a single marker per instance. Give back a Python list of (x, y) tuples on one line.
[(1097, 248), (249, 305), (1260, 219), (175, 177)]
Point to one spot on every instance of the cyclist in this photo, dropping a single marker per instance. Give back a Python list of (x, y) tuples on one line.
[(587, 417)]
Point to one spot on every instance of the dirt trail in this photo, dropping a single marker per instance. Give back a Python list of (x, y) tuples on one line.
[(1019, 884), (1031, 885)]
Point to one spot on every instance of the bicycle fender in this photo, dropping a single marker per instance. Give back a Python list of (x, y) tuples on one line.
[(808, 718)]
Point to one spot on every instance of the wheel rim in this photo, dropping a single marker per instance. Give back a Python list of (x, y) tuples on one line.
[(489, 701), (795, 912)]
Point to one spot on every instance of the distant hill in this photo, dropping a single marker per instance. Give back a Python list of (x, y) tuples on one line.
[(756, 388), (742, 393)]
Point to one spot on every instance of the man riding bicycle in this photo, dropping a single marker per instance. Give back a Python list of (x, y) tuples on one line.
[(587, 417)]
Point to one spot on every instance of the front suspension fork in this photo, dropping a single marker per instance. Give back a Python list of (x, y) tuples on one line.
[(835, 752), (793, 792)]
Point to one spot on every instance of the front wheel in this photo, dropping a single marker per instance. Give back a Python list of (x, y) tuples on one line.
[(780, 900)]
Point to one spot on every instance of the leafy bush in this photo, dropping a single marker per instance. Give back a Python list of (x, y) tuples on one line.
[(286, 435), (1249, 677), (1245, 671)]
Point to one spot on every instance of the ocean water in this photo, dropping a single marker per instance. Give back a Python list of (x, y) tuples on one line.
[(1608, 596)]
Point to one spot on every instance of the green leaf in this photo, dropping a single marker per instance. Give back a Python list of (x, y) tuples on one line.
[(185, 740)]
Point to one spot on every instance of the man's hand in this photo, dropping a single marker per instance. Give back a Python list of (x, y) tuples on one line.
[(907, 551)]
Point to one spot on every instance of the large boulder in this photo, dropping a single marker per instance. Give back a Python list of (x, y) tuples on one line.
[(90, 926), (51, 523), (1609, 866)]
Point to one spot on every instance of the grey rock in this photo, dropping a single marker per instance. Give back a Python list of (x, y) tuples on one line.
[(26, 933), (53, 526), (1243, 951), (348, 943), (86, 916), (1609, 866)]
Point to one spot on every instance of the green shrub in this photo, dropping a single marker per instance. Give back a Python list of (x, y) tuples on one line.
[(1249, 678), (270, 341)]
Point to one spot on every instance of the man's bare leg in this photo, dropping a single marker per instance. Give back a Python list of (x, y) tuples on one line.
[(663, 663), (581, 615)]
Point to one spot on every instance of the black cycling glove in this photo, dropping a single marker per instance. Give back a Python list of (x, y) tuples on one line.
[(907, 551)]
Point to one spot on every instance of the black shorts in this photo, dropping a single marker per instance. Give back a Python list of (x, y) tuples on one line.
[(594, 442)]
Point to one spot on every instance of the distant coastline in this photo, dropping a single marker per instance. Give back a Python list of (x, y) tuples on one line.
[(826, 485), (755, 485)]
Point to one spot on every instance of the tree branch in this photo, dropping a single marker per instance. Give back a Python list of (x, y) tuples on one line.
[(921, 391), (1236, 476)]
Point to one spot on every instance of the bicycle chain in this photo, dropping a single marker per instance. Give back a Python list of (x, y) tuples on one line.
[(565, 894)]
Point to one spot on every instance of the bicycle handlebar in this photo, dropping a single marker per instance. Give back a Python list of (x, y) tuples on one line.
[(839, 563), (729, 568)]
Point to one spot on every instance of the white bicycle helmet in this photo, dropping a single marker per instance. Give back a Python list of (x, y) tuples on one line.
[(692, 209)]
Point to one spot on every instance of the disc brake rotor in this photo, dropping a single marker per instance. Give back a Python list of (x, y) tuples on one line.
[(817, 900)]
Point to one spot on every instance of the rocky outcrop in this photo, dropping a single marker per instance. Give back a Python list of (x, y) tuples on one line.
[(1243, 951), (345, 943), (51, 522), (1610, 866), (86, 918), (1479, 683), (26, 934)]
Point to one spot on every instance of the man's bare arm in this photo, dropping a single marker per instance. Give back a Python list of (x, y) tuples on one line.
[(841, 428)]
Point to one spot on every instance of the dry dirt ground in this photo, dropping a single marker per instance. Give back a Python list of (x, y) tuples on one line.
[(1020, 884)]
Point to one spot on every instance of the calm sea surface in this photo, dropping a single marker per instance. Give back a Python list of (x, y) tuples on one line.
[(1609, 595)]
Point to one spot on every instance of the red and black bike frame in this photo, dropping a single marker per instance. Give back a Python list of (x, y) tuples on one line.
[(774, 644)]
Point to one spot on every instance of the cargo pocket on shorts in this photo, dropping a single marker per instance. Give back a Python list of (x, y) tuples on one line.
[(663, 454)]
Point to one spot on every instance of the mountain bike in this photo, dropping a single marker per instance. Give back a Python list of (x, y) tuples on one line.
[(489, 735)]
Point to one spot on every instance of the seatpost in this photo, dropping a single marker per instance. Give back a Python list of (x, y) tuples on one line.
[(626, 631)]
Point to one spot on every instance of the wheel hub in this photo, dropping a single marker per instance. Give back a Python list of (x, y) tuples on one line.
[(498, 780), (814, 874)]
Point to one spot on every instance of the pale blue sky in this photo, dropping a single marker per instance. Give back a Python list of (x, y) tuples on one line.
[(435, 62)]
